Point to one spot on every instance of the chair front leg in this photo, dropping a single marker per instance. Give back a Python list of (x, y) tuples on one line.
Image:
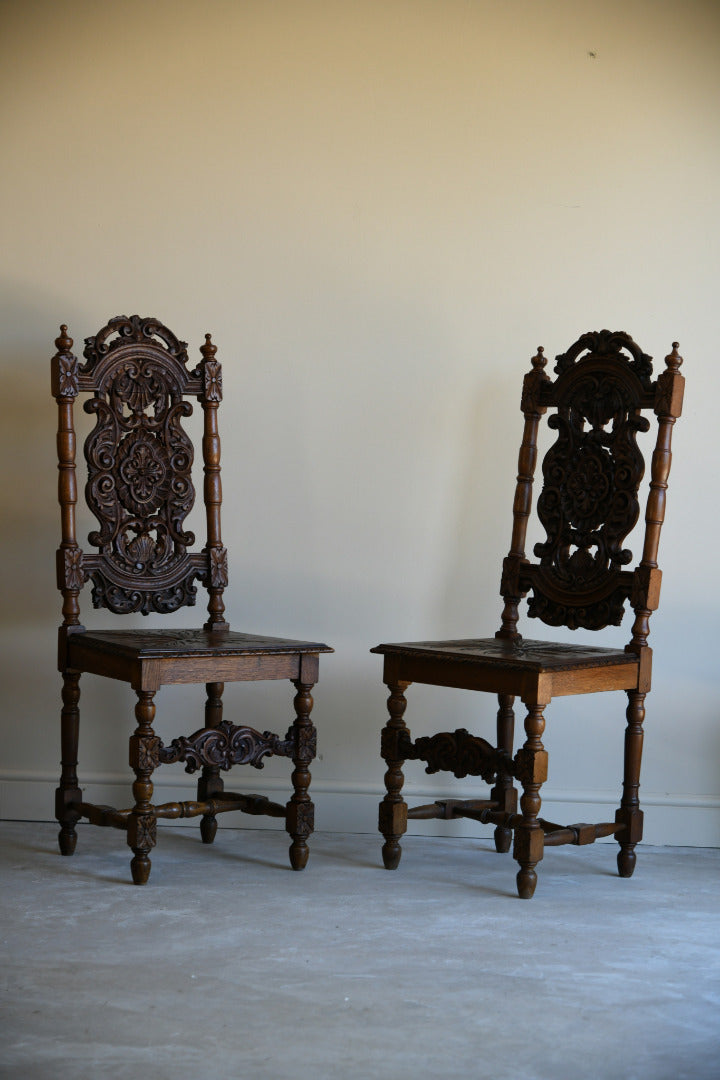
[(630, 814), (68, 794), (393, 809), (211, 783), (300, 811), (504, 793), (531, 770), (144, 758)]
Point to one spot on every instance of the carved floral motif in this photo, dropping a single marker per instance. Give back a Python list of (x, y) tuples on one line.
[(72, 568), (218, 567), (66, 376), (212, 379)]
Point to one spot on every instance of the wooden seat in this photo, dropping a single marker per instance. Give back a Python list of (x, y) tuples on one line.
[(139, 487), (588, 505)]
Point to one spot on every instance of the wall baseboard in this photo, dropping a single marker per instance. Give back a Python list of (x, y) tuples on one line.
[(673, 820)]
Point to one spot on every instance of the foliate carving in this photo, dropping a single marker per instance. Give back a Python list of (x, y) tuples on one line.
[(142, 831), (589, 501), (646, 588), (71, 568), (218, 572), (139, 469), (303, 738), (457, 752), (225, 746), (65, 369), (212, 380), (106, 593), (125, 330), (300, 818), (67, 376), (593, 615), (513, 579), (143, 474), (144, 753), (607, 345), (390, 744)]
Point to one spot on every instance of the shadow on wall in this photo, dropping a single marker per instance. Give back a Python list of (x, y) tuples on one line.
[(28, 489), (480, 530), (29, 498)]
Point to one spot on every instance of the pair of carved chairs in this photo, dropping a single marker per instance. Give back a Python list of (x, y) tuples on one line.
[(139, 488)]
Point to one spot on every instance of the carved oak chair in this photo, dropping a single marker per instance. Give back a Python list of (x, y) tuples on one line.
[(588, 505), (139, 487)]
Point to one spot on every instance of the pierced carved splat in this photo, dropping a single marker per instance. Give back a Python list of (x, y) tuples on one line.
[(139, 461), (591, 475)]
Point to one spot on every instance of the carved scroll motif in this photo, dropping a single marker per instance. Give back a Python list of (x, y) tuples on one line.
[(125, 330), (225, 746), (457, 752)]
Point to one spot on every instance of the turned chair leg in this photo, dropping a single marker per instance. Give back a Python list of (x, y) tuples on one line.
[(393, 809), (300, 811), (531, 768), (504, 792), (144, 758), (210, 783), (68, 795), (630, 814)]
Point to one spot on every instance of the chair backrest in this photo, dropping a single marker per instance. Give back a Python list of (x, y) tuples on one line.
[(139, 461), (589, 500)]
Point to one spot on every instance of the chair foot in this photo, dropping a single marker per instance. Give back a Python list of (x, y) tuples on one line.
[(67, 841), (503, 839), (626, 859), (140, 868), (391, 853), (208, 828), (299, 852), (526, 882)]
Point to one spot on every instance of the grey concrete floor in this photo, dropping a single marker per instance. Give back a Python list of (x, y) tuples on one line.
[(228, 964)]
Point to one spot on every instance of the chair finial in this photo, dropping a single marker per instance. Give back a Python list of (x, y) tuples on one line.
[(208, 350), (674, 359), (540, 360), (64, 343)]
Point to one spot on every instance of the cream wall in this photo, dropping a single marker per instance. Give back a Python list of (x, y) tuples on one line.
[(379, 209)]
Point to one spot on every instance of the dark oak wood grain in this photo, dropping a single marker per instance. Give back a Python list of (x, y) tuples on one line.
[(588, 505), (139, 488)]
